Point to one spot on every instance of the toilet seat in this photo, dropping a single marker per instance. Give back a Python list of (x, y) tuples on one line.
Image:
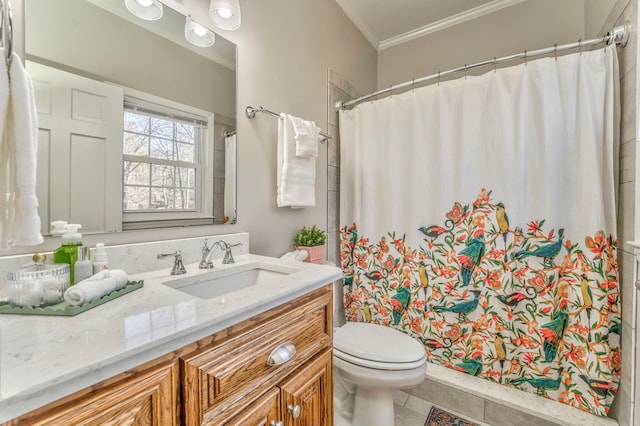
[(377, 347)]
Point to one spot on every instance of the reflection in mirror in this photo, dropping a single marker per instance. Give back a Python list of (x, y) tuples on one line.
[(136, 125)]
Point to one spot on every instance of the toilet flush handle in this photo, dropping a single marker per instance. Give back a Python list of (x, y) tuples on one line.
[(294, 410)]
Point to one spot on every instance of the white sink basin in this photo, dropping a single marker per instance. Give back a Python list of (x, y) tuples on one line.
[(218, 282)]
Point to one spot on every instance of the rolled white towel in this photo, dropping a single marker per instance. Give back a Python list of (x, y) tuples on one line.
[(298, 255), (96, 286)]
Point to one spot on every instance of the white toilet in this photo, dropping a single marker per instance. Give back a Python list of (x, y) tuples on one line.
[(370, 361)]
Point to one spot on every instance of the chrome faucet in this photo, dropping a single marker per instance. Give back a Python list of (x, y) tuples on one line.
[(205, 261), (228, 256), (178, 267)]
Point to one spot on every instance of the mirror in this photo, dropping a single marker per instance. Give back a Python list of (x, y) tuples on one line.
[(101, 41)]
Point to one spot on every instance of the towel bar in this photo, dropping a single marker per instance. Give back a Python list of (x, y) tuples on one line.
[(250, 112)]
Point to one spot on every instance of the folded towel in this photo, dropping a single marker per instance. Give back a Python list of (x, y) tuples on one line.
[(19, 212), (297, 255), (295, 175), (96, 286), (306, 135)]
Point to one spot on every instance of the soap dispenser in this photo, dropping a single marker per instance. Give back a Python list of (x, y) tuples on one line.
[(68, 251), (100, 262), (58, 228)]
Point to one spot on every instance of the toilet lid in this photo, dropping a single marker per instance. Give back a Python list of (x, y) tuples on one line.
[(378, 343)]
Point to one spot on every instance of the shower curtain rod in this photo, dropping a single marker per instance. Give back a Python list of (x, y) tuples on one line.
[(227, 133), (250, 112), (619, 35)]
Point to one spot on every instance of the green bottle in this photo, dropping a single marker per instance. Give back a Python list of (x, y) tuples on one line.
[(68, 251)]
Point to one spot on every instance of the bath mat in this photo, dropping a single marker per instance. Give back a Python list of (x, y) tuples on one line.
[(439, 417)]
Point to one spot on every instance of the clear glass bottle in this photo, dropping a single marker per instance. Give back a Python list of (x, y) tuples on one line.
[(83, 268)]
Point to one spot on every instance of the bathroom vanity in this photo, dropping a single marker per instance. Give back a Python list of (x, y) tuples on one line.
[(162, 356)]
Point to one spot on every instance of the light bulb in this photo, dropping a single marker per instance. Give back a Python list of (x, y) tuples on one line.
[(144, 3), (199, 29), (224, 13)]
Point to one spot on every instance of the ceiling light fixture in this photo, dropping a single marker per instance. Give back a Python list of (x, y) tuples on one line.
[(225, 14), (198, 35), (149, 10)]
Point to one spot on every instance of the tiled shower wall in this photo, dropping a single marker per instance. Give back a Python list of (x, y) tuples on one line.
[(626, 10), (337, 90), (222, 124)]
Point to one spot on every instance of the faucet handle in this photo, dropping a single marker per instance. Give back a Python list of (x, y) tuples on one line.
[(228, 255), (178, 267)]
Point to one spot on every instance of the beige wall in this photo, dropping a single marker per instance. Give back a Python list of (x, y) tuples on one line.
[(89, 40), (528, 25), (284, 50)]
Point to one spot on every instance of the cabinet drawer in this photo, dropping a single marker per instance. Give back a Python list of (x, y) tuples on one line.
[(219, 381)]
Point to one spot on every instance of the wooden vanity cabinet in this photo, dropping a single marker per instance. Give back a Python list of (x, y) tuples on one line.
[(222, 379), (143, 396), (232, 380)]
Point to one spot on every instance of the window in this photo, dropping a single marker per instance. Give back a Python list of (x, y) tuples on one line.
[(167, 163)]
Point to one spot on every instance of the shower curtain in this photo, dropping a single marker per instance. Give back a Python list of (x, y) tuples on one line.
[(479, 218)]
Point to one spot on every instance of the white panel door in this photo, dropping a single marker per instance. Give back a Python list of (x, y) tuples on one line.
[(79, 150)]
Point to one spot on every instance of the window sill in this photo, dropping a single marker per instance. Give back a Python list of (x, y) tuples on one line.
[(168, 223)]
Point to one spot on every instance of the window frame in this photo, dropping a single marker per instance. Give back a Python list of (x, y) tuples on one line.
[(203, 212)]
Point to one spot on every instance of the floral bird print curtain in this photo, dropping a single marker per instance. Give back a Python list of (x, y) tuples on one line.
[(494, 285)]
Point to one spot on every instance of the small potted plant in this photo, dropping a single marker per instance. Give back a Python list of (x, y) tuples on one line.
[(312, 240)]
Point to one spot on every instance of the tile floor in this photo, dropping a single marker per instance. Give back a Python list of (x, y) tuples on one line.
[(412, 411)]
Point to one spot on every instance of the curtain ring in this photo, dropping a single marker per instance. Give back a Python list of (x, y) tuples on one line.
[(495, 64), (555, 51), (391, 91), (525, 57), (438, 78), (580, 46), (413, 84), (465, 71)]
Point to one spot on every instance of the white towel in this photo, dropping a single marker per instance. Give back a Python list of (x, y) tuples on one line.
[(297, 255), (296, 175), (306, 135), (96, 286), (19, 214), (6, 163)]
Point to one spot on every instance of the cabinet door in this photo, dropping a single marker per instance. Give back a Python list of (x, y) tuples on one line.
[(307, 395), (148, 398), (261, 412)]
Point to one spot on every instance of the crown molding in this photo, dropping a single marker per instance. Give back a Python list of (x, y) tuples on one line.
[(465, 16)]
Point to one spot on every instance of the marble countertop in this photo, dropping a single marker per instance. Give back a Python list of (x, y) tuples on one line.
[(43, 358)]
